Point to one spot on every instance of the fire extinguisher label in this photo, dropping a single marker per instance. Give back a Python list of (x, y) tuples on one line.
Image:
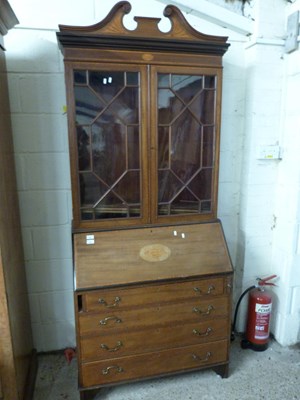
[(263, 312), (263, 308)]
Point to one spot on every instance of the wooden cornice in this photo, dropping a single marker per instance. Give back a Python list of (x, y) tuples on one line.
[(112, 34), (8, 18)]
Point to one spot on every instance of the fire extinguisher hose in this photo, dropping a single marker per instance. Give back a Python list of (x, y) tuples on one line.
[(237, 309)]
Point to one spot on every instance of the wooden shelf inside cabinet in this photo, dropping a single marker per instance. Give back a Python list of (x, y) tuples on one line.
[(150, 257)]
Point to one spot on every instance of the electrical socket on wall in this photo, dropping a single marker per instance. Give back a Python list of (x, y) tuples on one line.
[(269, 152)]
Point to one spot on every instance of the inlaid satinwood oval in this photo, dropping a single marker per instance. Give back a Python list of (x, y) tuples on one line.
[(155, 252)]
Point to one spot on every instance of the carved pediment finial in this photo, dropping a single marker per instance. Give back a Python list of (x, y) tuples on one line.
[(111, 32)]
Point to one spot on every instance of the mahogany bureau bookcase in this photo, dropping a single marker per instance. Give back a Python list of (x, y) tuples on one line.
[(151, 268)]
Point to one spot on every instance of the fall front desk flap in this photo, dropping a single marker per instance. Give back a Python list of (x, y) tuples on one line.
[(110, 258)]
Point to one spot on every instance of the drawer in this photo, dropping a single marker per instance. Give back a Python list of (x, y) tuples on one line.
[(153, 364), (118, 320), (123, 298), (137, 342)]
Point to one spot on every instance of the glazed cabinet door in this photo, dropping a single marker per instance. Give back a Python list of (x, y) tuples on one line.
[(144, 144), (108, 144), (185, 143)]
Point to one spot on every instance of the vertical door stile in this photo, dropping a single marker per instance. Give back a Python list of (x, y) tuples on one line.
[(73, 153), (153, 145), (145, 159), (217, 140)]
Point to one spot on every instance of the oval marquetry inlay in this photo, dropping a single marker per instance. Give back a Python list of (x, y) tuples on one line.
[(155, 252), (147, 56)]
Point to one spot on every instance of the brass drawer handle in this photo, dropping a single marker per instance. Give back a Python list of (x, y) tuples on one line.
[(106, 370), (113, 318), (105, 347), (209, 290), (206, 333), (116, 303), (207, 312), (207, 357)]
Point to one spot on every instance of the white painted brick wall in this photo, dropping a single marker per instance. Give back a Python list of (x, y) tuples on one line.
[(259, 237), (37, 97), (273, 117), (286, 236), (267, 239)]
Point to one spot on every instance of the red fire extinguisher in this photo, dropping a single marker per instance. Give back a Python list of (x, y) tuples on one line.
[(259, 314)]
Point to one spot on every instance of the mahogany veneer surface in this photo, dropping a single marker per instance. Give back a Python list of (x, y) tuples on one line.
[(114, 258)]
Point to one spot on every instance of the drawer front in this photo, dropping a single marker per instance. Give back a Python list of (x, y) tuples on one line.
[(118, 320), (137, 342), (153, 364), (124, 298)]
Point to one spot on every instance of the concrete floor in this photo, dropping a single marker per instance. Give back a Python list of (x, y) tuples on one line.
[(272, 375)]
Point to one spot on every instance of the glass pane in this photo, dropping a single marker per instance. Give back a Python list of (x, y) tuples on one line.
[(187, 86), (168, 186), (205, 206), (164, 209), (132, 78), (169, 106), (210, 82), (134, 211), (106, 83), (83, 143), (163, 147), (111, 206), (201, 185), (203, 107), (108, 150), (208, 146), (186, 142), (125, 107), (163, 80), (91, 189), (108, 143), (185, 203), (80, 77), (87, 105), (128, 188), (208, 108), (197, 106), (133, 146)]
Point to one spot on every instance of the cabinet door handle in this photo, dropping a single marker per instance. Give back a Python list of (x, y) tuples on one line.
[(206, 333), (210, 308), (113, 318), (209, 290), (106, 370), (105, 347), (206, 358), (116, 303)]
